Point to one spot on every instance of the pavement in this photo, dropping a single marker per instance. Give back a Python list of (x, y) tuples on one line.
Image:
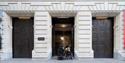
[(62, 61)]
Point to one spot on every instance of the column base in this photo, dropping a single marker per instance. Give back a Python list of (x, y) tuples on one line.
[(120, 55), (84, 55), (6, 56)]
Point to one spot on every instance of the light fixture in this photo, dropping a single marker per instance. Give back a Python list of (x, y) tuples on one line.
[(101, 17), (63, 25), (62, 38), (24, 17)]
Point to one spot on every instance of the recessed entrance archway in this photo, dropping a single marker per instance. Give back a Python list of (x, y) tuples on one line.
[(62, 35)]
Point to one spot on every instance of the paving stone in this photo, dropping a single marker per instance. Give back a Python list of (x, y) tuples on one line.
[(62, 61)]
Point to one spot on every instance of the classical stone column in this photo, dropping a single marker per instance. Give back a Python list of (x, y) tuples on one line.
[(83, 34), (119, 51), (6, 51), (42, 35)]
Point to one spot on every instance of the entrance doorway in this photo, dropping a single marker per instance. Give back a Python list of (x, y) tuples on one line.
[(102, 37), (22, 38), (62, 34)]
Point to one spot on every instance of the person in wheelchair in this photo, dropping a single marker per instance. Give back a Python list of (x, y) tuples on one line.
[(68, 53)]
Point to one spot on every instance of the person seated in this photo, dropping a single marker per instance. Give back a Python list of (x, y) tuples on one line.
[(68, 53)]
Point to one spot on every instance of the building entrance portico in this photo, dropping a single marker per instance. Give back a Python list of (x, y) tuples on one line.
[(43, 12)]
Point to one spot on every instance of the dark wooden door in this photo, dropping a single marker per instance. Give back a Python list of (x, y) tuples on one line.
[(102, 38), (22, 38)]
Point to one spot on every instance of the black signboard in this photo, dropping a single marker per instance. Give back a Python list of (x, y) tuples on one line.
[(41, 38)]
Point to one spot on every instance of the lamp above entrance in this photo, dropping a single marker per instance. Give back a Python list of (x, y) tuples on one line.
[(24, 17), (101, 17)]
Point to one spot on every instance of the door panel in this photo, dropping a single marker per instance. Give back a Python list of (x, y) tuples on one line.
[(102, 38), (22, 38)]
